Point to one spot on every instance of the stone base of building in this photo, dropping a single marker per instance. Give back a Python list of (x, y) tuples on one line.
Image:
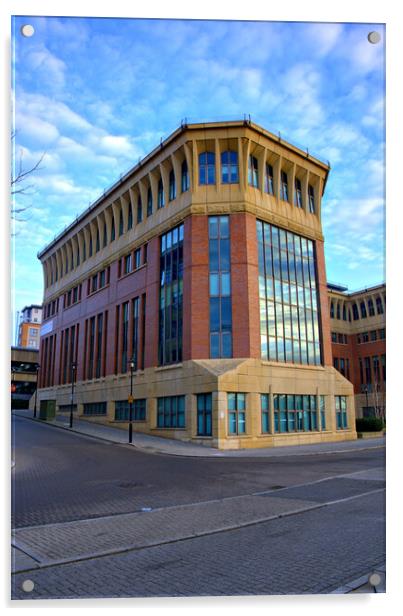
[(219, 378)]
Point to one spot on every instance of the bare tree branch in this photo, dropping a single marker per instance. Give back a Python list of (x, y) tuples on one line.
[(18, 185)]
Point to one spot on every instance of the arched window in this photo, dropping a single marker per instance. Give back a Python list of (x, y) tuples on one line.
[(97, 245), (139, 210), (207, 168), (105, 235), (78, 255), (113, 229), (185, 185), (253, 175), (338, 311), (363, 309), (298, 193), (84, 249), (229, 167), (371, 308), (72, 260), (90, 247), (172, 185), (344, 313), (149, 202), (355, 312), (57, 273), (269, 183), (379, 307), (160, 197), (331, 310), (120, 223), (129, 216), (311, 199), (284, 186)]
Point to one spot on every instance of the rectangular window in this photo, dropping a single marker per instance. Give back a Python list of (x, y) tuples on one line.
[(373, 335), (125, 333), (98, 361), (341, 412), (264, 405), (135, 331), (127, 264), (171, 297), (102, 279), (204, 414), (382, 334), (122, 410), (171, 412), (94, 283), (253, 171), (311, 199), (322, 412), (289, 320), (220, 287), (334, 337), (94, 408), (236, 413), (269, 183), (295, 413), (137, 258), (91, 346), (284, 186), (298, 193)]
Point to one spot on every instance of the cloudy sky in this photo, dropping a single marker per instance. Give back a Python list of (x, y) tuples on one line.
[(95, 95)]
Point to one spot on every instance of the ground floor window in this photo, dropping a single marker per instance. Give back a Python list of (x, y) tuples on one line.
[(341, 412), (94, 408), (122, 410), (236, 413), (204, 412), (264, 404), (322, 412), (295, 413), (171, 412)]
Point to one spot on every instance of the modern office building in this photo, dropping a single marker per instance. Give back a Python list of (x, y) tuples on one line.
[(29, 327), (358, 332), (202, 273)]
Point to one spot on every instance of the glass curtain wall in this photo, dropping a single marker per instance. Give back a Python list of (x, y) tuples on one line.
[(289, 306), (220, 287), (171, 297)]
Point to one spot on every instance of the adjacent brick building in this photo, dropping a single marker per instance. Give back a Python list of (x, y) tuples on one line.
[(358, 335), (202, 271)]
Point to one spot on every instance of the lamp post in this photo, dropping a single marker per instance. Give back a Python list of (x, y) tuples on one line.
[(132, 366), (73, 375), (366, 395), (36, 388)]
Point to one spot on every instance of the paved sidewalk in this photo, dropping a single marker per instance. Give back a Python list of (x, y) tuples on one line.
[(157, 444)]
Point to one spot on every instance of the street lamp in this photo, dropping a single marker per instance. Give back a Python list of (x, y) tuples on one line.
[(366, 395), (36, 388), (73, 374), (132, 366)]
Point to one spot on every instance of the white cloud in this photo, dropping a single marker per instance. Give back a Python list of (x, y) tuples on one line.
[(324, 36), (46, 66)]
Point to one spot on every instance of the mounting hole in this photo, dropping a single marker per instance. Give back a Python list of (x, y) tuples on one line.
[(28, 585), (374, 579), (27, 30), (374, 37)]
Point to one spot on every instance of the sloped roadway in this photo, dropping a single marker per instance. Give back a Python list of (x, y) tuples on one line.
[(94, 519)]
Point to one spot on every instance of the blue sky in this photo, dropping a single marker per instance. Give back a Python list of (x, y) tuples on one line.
[(97, 94)]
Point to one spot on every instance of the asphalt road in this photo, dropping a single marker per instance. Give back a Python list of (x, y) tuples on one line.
[(297, 524), (60, 476)]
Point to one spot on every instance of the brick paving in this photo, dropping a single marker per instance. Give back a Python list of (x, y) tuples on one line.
[(312, 552), (81, 498)]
